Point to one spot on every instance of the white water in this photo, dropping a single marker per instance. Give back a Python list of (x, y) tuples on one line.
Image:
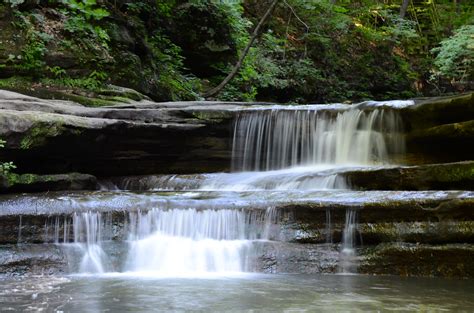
[(276, 149), (180, 242), (173, 242), (87, 237), (347, 262), (275, 139)]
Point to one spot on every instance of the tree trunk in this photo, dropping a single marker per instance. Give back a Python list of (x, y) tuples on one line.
[(403, 8), (214, 91)]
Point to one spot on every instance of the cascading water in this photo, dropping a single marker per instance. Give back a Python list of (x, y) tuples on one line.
[(275, 139), (191, 241), (347, 262), (168, 242), (307, 148), (273, 149), (87, 229)]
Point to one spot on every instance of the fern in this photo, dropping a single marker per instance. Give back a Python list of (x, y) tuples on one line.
[(455, 55)]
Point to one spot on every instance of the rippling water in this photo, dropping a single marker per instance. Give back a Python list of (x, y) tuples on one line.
[(256, 293)]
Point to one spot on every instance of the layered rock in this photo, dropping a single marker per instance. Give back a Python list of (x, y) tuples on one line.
[(46, 136), (441, 129), (459, 175), (306, 232)]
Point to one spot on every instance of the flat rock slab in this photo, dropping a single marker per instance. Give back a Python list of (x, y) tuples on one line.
[(458, 175), (428, 202)]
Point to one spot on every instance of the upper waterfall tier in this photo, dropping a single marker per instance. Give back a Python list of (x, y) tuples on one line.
[(269, 139)]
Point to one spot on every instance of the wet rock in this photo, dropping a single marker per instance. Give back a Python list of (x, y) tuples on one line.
[(441, 128), (447, 141), (32, 259), (452, 260), (454, 176), (417, 232), (281, 257)]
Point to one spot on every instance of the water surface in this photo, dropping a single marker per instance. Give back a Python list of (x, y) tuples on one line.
[(236, 293)]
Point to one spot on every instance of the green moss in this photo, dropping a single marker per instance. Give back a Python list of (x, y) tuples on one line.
[(38, 134), (214, 116), (56, 89), (455, 172), (24, 179), (115, 99), (16, 83)]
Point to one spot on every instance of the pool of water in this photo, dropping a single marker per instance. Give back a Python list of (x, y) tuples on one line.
[(235, 293)]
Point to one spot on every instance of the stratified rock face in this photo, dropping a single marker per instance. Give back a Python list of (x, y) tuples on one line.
[(458, 175), (47, 136), (451, 260), (306, 232), (441, 129)]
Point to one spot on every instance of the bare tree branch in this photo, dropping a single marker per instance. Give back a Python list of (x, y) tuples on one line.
[(403, 8), (214, 91)]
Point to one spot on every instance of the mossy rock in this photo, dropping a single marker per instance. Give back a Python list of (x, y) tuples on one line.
[(449, 176), (37, 183), (431, 112), (448, 142), (452, 260), (39, 134)]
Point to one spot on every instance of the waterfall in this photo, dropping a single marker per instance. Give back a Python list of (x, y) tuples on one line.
[(347, 262), (192, 241), (273, 149), (328, 228), (87, 229), (275, 139), (169, 242)]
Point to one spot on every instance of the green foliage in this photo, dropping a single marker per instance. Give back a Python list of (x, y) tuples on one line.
[(168, 58), (87, 8), (309, 51), (5, 167), (455, 55), (14, 3), (94, 81), (81, 17), (32, 54), (57, 71)]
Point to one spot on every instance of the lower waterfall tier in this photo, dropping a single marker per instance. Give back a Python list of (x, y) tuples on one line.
[(198, 232)]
